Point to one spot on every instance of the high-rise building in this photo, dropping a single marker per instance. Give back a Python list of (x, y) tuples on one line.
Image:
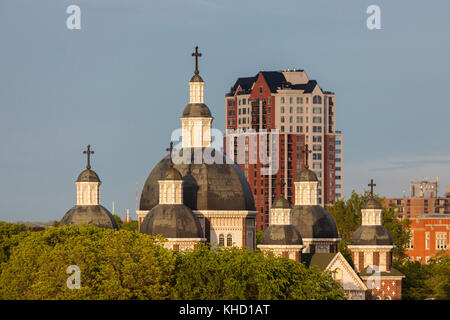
[(303, 114)]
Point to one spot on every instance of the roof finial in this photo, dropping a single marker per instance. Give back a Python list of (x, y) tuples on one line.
[(196, 54), (170, 149), (371, 185), (306, 150), (88, 152)]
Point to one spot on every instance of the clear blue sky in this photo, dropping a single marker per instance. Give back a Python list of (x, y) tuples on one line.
[(120, 84)]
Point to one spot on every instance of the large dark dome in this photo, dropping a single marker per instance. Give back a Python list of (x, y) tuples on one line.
[(281, 235), (171, 221), (196, 110), (96, 215), (314, 222), (205, 186), (88, 175), (372, 235)]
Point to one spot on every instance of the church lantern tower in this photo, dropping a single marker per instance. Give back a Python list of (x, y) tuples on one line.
[(88, 209), (196, 120), (281, 237), (315, 224), (371, 249)]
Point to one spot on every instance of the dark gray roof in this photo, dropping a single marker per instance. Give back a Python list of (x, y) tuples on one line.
[(96, 215), (307, 87), (392, 273), (274, 79), (171, 221), (371, 235), (196, 110), (245, 83), (321, 260), (306, 175), (372, 203), (172, 174), (196, 78), (281, 203), (314, 222), (88, 175), (281, 235), (205, 186)]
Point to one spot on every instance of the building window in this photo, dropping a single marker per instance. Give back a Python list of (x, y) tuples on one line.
[(317, 110), (282, 109), (282, 128), (282, 119), (290, 119), (260, 89), (427, 241), (317, 100), (317, 129), (317, 120), (317, 138), (282, 99), (229, 240), (221, 240), (411, 241), (441, 240)]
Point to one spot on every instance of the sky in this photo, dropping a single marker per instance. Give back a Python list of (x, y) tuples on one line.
[(120, 84)]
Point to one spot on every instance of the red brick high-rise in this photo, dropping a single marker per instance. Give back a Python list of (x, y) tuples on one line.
[(303, 114)]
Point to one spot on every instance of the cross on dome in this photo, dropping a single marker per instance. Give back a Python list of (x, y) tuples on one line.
[(196, 54), (371, 185), (306, 150), (88, 152), (170, 149)]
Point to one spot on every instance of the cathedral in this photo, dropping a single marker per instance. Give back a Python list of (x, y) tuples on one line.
[(189, 199)]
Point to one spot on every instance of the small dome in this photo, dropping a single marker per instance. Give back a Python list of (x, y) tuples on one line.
[(172, 221), (96, 215), (306, 175), (281, 235), (372, 203), (172, 174), (372, 235), (281, 203), (196, 110), (88, 175), (314, 222), (196, 78)]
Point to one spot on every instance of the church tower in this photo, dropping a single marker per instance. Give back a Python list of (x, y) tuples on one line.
[(371, 249), (196, 119), (281, 237), (315, 224), (88, 209)]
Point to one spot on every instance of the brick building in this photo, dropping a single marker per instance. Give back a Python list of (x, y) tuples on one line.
[(303, 114), (429, 235), (424, 199)]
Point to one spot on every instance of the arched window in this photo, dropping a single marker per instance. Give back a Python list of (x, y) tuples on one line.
[(317, 100), (229, 240), (221, 240)]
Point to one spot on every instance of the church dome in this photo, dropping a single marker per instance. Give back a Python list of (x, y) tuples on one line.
[(277, 234), (372, 203), (372, 235), (196, 78), (89, 214), (171, 221), (205, 186), (313, 221), (88, 175), (196, 110), (172, 174), (306, 175), (281, 203)]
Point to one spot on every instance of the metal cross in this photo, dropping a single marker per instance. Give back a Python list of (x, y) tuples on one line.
[(306, 150), (170, 149), (371, 185), (196, 54), (88, 152)]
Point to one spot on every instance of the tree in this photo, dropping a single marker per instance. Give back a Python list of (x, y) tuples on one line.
[(114, 264), (130, 225), (10, 236), (426, 281), (233, 273), (118, 221), (347, 215)]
